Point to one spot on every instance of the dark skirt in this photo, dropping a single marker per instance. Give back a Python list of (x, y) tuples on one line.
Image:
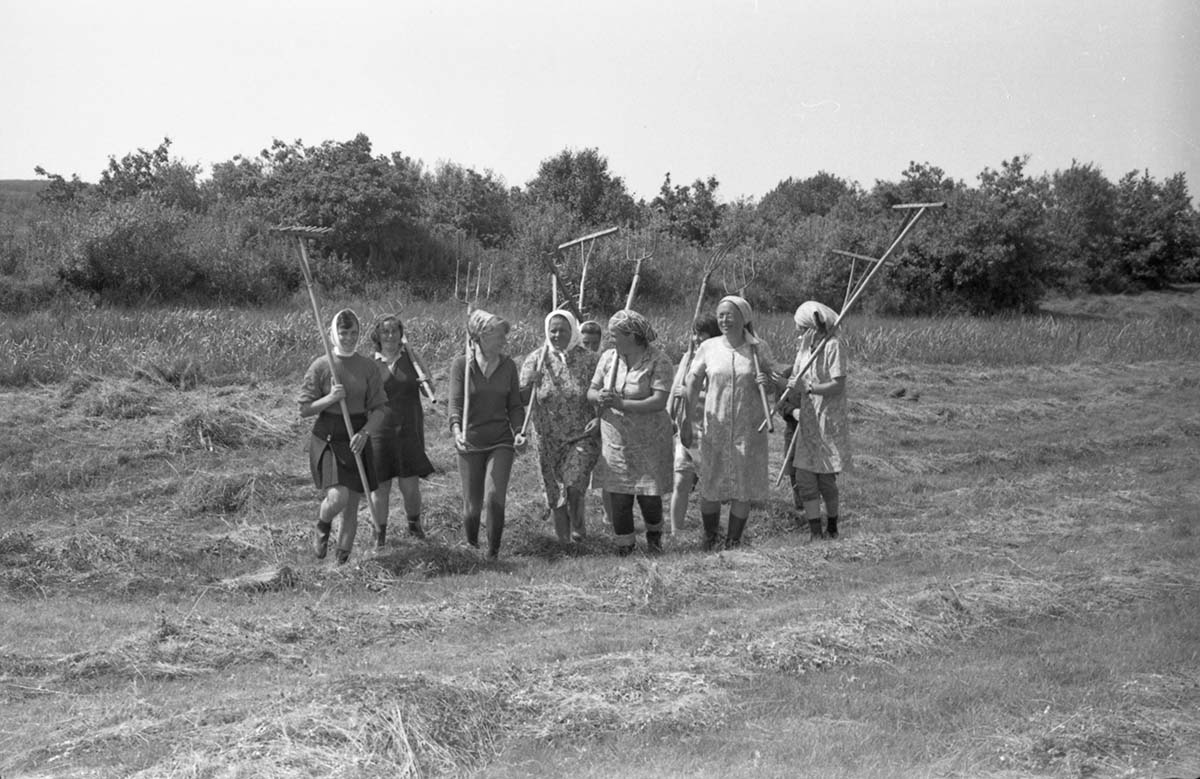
[(399, 455), (331, 459)]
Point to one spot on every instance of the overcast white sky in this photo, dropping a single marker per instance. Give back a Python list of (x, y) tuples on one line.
[(751, 92)]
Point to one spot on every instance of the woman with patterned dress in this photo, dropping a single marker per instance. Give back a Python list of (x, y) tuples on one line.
[(557, 376), (733, 448), (332, 447), (398, 450), (816, 400), (488, 438), (635, 428)]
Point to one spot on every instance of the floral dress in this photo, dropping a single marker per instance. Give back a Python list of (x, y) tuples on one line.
[(733, 452), (560, 413), (635, 448), (823, 444)]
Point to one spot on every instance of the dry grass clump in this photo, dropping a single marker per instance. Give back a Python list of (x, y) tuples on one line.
[(628, 692), (205, 492), (426, 561), (227, 427), (116, 399)]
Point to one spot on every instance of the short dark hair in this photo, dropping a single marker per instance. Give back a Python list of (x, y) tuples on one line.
[(706, 325), (378, 326), (591, 327)]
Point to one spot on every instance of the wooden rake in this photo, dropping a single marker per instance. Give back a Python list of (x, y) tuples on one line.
[(917, 210), (302, 234)]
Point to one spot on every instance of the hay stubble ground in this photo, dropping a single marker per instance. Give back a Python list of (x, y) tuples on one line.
[(1015, 594)]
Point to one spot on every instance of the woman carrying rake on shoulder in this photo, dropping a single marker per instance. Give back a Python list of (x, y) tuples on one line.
[(331, 448), (635, 428), (398, 450), (817, 401), (488, 442), (558, 376), (733, 449)]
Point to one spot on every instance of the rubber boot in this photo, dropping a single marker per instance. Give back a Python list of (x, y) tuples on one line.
[(380, 537), (814, 529), (654, 542), (831, 526), (343, 556), (321, 539), (736, 526), (414, 526), (712, 529)]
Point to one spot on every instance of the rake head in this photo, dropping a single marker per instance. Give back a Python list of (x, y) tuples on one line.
[(301, 231)]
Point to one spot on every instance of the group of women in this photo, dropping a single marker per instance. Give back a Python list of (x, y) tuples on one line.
[(602, 420)]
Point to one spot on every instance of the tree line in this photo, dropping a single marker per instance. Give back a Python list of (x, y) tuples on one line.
[(153, 229)]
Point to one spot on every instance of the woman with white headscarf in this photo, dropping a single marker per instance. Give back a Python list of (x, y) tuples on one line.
[(816, 401), (556, 376), (733, 449), (331, 447)]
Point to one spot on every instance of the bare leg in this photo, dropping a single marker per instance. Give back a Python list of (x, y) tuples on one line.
[(679, 499)]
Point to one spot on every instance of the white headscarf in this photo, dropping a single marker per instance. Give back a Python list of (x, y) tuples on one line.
[(813, 315), (743, 307), (333, 331), (572, 322)]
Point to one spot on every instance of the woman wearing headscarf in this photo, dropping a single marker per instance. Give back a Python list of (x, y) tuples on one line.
[(631, 385), (733, 449), (398, 450), (557, 376), (488, 438), (331, 447), (816, 400)]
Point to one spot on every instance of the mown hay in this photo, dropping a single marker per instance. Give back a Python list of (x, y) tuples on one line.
[(118, 399), (205, 492), (227, 427)]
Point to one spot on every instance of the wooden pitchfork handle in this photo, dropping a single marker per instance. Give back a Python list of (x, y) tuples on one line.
[(541, 364), (423, 380), (762, 394)]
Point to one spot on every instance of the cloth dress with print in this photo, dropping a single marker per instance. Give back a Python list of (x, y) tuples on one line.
[(636, 448), (560, 413), (823, 444)]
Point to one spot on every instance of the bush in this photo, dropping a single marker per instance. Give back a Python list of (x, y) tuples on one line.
[(130, 252)]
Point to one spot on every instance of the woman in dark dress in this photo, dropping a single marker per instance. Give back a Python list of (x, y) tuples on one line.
[(398, 449)]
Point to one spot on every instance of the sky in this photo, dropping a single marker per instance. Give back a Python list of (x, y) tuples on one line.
[(749, 91)]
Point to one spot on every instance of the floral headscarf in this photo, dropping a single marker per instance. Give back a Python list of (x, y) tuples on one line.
[(345, 313), (630, 321), (743, 307), (572, 322)]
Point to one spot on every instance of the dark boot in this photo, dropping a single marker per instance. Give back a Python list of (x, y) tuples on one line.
[(712, 529), (343, 556), (321, 539), (380, 537), (831, 526), (654, 542), (414, 526), (736, 526), (626, 549), (495, 531), (814, 529), (471, 528)]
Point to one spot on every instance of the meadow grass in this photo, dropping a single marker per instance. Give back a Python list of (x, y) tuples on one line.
[(1014, 593)]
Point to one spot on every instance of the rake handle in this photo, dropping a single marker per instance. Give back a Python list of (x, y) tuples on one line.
[(312, 297)]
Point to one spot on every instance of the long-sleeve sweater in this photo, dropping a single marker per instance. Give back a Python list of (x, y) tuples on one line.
[(496, 410)]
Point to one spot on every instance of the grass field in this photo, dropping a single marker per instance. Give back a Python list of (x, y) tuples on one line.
[(1016, 591)]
